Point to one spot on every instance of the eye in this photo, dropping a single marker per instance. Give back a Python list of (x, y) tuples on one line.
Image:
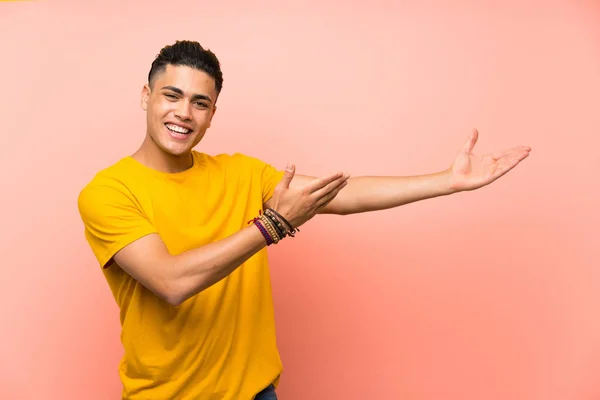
[(199, 104), (171, 96)]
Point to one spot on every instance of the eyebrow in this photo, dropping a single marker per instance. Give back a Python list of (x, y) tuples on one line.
[(194, 97)]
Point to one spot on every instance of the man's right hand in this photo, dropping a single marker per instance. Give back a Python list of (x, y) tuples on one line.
[(299, 204)]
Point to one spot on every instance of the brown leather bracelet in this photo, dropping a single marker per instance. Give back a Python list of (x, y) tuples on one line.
[(291, 228)]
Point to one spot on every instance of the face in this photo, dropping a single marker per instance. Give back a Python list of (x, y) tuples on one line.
[(179, 108)]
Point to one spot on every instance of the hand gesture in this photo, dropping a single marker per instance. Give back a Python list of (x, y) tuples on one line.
[(470, 171), (299, 204)]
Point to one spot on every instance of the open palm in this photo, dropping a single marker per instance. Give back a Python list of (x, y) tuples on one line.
[(470, 171)]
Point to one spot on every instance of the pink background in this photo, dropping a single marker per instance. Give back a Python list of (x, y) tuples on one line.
[(488, 295)]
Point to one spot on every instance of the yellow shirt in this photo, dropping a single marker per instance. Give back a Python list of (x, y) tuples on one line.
[(220, 343)]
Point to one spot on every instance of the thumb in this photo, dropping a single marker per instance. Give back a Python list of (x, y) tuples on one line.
[(288, 175), (470, 143)]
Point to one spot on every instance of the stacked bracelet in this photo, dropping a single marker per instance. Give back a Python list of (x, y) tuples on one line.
[(263, 230), (281, 222), (273, 226)]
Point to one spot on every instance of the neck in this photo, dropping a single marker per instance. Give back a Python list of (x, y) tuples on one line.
[(154, 157)]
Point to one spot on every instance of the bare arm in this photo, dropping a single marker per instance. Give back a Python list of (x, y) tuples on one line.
[(468, 172), (372, 193), (175, 278)]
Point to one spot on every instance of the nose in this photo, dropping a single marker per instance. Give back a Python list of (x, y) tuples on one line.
[(183, 111)]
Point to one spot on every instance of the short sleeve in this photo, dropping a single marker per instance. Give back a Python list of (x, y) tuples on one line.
[(111, 219), (269, 176)]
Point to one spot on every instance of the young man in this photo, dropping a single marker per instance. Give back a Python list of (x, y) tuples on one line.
[(182, 237)]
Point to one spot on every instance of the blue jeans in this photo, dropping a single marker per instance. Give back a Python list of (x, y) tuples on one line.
[(267, 394)]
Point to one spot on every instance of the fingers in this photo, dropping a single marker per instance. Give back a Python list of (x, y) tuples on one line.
[(320, 183), (509, 162), (499, 154), (520, 150), (328, 198), (330, 186)]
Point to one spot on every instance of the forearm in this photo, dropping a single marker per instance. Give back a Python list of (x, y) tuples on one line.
[(372, 193), (195, 270)]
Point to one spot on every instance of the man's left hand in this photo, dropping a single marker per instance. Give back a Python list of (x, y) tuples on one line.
[(470, 171)]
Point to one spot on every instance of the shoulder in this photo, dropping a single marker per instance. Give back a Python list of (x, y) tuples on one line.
[(109, 187), (223, 158), (116, 176), (232, 160)]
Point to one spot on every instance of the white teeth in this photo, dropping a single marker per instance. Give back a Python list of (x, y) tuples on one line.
[(177, 129)]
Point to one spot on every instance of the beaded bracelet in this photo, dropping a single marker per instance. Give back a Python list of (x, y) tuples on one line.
[(291, 230), (271, 229), (268, 229), (277, 224), (264, 232), (273, 226)]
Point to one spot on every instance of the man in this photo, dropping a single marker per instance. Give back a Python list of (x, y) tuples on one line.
[(182, 237)]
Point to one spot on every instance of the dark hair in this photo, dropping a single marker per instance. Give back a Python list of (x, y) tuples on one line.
[(190, 54)]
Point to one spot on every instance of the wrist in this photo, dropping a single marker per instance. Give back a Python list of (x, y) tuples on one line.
[(281, 222), (448, 183), (272, 226)]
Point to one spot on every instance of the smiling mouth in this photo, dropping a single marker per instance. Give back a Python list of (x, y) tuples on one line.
[(178, 129)]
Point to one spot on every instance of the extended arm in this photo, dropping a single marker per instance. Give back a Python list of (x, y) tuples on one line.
[(373, 193), (467, 172)]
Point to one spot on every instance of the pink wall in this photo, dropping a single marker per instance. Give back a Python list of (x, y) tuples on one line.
[(484, 295)]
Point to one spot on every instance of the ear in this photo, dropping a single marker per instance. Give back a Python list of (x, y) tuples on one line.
[(145, 97)]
